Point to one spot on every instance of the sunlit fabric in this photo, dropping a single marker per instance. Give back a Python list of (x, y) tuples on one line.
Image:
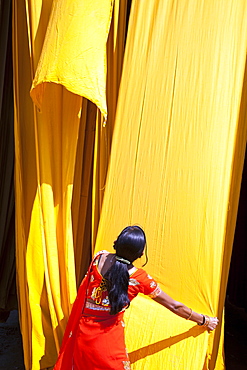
[(103, 136), (48, 145), (74, 50), (176, 164)]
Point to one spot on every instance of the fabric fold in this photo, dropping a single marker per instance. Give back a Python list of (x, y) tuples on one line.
[(74, 50)]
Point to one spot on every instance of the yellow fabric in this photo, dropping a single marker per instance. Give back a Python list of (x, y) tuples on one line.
[(82, 193), (176, 164), (74, 50), (47, 148), (103, 137), (94, 144)]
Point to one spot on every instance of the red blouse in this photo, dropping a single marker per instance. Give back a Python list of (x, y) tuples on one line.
[(139, 282)]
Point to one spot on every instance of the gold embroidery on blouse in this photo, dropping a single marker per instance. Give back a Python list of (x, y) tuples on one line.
[(133, 282), (97, 292)]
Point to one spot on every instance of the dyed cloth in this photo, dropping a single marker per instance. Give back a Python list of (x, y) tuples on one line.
[(94, 339)]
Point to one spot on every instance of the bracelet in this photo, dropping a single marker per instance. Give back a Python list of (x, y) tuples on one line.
[(189, 314), (203, 321), (207, 320)]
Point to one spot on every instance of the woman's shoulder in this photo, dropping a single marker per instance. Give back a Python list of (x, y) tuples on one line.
[(139, 273), (144, 282), (142, 274), (103, 260), (99, 254)]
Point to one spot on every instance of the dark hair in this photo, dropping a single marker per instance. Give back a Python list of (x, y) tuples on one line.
[(129, 246)]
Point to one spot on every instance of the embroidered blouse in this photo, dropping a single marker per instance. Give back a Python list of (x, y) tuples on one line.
[(139, 282)]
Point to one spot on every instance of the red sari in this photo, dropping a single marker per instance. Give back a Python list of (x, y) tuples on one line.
[(94, 339)]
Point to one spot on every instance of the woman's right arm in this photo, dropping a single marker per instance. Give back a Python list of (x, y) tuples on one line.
[(183, 311)]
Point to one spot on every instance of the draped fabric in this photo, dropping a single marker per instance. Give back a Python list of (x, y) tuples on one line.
[(74, 51), (91, 171), (175, 138), (176, 164), (7, 221), (50, 146), (103, 139)]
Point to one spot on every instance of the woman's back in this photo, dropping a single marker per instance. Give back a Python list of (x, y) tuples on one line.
[(106, 260)]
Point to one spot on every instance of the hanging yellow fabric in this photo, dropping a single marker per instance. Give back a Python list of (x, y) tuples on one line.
[(46, 146), (81, 206), (176, 164), (94, 144), (25, 157), (74, 50), (103, 137)]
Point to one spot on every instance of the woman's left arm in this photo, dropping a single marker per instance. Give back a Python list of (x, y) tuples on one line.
[(183, 311)]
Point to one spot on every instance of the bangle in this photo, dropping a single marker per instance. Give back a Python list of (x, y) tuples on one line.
[(189, 314), (207, 320), (203, 321)]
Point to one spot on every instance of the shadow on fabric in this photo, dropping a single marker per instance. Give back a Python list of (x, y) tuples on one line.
[(159, 346)]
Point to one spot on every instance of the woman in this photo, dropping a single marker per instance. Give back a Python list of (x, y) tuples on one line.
[(94, 337)]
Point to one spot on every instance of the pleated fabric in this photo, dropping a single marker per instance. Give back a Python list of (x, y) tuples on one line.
[(74, 50), (54, 147), (175, 169), (103, 136), (175, 163)]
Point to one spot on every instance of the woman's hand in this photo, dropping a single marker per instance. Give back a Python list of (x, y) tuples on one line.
[(213, 322), (209, 322)]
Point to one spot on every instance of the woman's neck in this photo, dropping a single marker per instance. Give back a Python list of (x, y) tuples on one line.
[(107, 260)]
